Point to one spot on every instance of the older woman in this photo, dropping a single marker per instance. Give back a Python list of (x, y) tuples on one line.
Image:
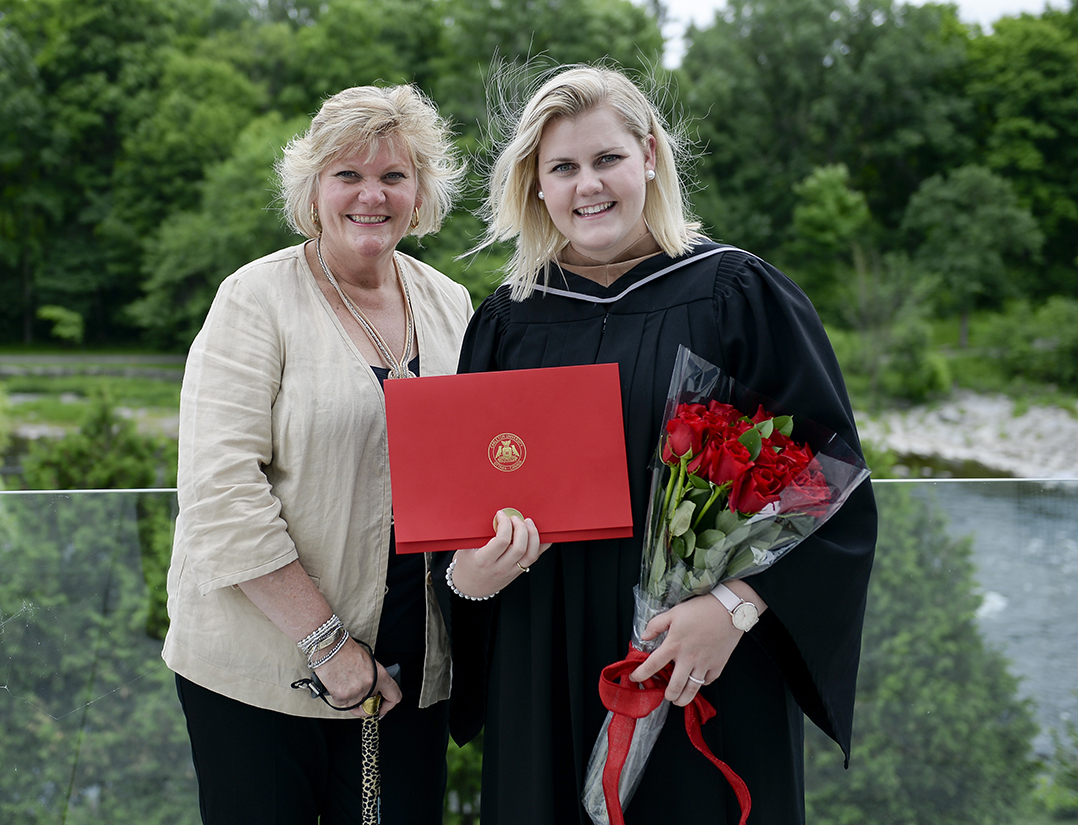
[(283, 562), (609, 268)]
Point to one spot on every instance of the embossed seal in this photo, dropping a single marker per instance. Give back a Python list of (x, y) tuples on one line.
[(507, 452)]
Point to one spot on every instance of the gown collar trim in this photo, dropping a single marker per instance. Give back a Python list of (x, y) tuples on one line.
[(593, 299)]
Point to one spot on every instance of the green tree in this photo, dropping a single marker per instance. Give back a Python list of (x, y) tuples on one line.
[(27, 198), (970, 230), (1038, 343), (187, 123), (1058, 789), (93, 61), (780, 87), (930, 693), (89, 724), (830, 237), (1024, 81), (234, 223)]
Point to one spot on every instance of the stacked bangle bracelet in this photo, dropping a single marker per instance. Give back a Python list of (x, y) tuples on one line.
[(330, 635)]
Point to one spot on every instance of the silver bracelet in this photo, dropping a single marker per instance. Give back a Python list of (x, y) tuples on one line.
[(336, 649), (326, 631), (453, 587)]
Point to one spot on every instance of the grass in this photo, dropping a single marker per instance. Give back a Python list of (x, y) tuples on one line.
[(61, 400)]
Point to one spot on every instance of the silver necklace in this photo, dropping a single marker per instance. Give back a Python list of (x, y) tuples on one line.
[(397, 369)]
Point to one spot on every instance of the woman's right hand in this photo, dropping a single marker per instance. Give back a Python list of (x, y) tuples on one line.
[(347, 677), (485, 570)]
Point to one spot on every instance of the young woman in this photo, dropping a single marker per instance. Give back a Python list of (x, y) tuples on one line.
[(608, 267)]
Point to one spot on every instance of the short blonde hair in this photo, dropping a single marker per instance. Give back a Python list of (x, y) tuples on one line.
[(358, 119), (513, 209)]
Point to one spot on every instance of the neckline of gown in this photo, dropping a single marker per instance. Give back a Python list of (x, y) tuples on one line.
[(579, 288)]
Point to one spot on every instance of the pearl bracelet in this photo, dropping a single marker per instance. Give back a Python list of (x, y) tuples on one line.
[(453, 587)]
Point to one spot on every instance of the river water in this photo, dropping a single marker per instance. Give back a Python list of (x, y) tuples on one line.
[(1025, 551)]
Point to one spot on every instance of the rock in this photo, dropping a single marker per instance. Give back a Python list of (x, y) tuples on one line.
[(1042, 442)]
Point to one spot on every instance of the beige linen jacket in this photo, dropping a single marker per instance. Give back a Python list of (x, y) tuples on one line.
[(282, 456)]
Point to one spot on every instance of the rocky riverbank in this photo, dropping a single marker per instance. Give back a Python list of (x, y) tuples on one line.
[(984, 431)]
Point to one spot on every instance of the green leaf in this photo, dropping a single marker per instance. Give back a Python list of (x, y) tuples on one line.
[(784, 424), (699, 483), (765, 428), (752, 441), (681, 518), (709, 538), (677, 547), (727, 521)]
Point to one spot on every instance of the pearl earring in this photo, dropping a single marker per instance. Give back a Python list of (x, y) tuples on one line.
[(542, 197), (650, 175)]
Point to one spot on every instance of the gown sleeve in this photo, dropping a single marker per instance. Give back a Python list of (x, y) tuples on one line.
[(470, 623), (773, 342)]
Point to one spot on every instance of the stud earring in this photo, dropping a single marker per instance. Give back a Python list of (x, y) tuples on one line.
[(650, 175), (415, 218), (542, 197)]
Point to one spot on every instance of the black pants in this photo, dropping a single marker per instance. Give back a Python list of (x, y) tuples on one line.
[(261, 767)]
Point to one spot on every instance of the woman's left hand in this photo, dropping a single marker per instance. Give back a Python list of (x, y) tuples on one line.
[(485, 570), (700, 637)]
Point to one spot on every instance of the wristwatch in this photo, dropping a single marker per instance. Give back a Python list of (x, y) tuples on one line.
[(743, 614)]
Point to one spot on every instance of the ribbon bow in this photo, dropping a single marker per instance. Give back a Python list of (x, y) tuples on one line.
[(629, 701)]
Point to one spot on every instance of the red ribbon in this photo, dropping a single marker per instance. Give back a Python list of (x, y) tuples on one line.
[(629, 701)]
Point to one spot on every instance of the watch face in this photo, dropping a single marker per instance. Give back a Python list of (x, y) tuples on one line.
[(744, 616)]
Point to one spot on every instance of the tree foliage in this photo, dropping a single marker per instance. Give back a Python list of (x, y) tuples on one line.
[(941, 737), (121, 120), (970, 230)]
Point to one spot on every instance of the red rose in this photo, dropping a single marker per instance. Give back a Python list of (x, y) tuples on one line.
[(757, 488), (701, 463), (808, 493), (796, 457), (684, 436), (730, 461)]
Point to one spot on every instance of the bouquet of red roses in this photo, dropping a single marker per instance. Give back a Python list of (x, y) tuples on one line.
[(732, 492)]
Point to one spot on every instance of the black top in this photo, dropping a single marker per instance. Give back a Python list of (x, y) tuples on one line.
[(401, 628), (535, 652)]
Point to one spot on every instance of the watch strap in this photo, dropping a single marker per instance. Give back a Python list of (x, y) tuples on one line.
[(727, 597)]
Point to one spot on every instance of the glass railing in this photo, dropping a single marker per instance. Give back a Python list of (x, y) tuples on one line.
[(967, 690)]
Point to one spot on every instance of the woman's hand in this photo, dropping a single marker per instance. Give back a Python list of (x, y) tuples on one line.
[(700, 638), (347, 677), (487, 569)]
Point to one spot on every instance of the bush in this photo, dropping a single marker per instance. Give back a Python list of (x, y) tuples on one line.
[(1058, 789), (912, 371), (1039, 343)]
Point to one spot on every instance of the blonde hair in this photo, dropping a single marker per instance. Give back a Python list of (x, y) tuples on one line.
[(358, 119), (513, 209)]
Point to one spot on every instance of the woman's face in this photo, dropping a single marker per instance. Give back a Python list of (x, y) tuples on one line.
[(365, 203), (592, 175)]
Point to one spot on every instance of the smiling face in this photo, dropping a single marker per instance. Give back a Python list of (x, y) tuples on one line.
[(365, 203), (592, 173)]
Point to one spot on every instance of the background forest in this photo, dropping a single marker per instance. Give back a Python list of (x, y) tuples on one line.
[(906, 169), (918, 178)]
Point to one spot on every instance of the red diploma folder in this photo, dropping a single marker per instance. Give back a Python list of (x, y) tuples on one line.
[(547, 442)]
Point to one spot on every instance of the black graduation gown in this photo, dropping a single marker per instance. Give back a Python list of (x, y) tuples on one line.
[(527, 663)]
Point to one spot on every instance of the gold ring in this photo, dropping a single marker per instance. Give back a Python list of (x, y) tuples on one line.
[(522, 569)]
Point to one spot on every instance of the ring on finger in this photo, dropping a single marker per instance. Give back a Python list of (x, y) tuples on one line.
[(522, 569), (695, 680)]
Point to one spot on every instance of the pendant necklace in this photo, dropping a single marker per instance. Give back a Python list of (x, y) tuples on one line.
[(397, 369)]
